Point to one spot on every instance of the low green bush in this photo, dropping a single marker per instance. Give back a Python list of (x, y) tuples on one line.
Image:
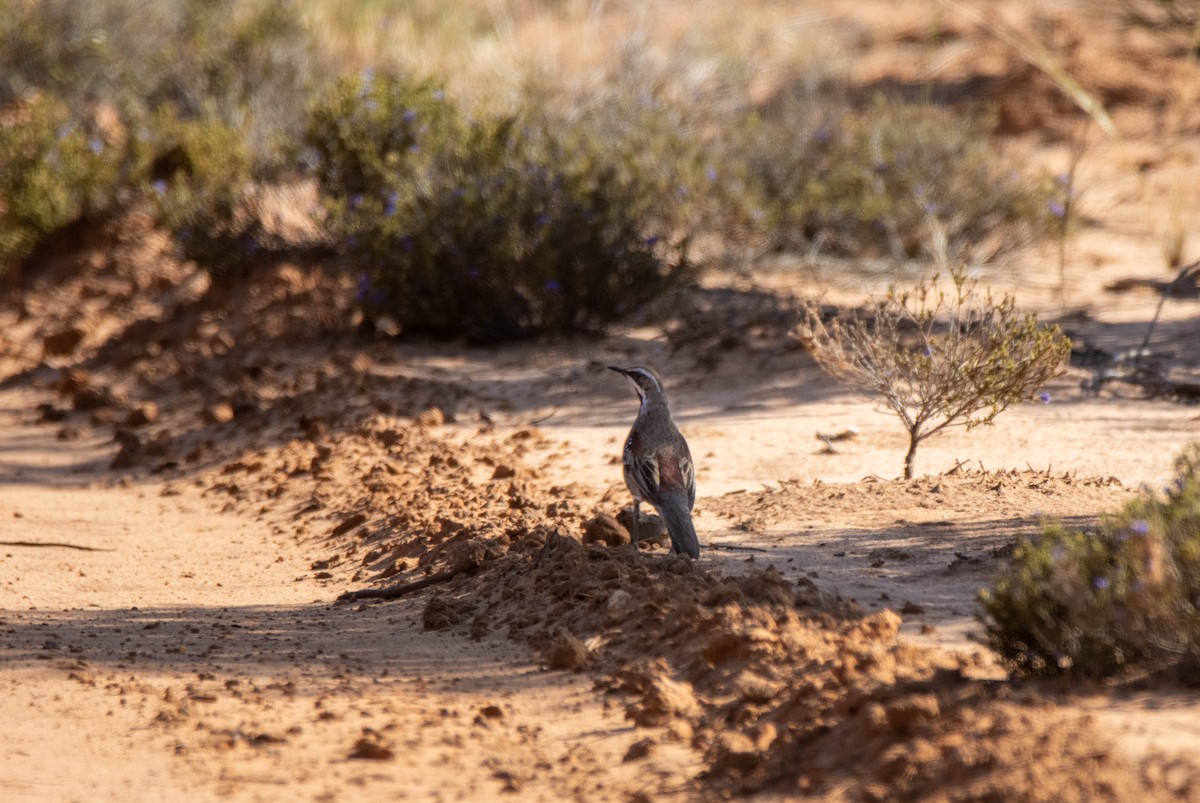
[(250, 65), (54, 170), (197, 181), (58, 169), (487, 228), (903, 181), (111, 103), (1105, 600)]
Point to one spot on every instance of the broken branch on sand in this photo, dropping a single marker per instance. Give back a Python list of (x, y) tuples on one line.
[(392, 592), (56, 545)]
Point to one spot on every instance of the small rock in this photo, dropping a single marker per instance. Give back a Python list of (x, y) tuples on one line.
[(651, 529), (504, 472), (911, 608), (219, 413), (734, 755), (753, 688), (619, 602), (901, 713), (431, 417), (62, 342), (491, 712), (371, 749), (72, 381), (69, 434), (145, 413), (679, 732), (313, 428), (442, 612), (48, 412), (389, 437), (604, 529), (448, 526), (663, 700), (642, 748), (347, 524), (511, 782), (882, 626), (93, 398), (131, 453), (567, 652)]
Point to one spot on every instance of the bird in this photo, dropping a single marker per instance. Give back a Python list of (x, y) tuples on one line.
[(658, 464)]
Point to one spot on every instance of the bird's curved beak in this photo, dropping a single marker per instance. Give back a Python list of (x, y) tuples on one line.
[(618, 370)]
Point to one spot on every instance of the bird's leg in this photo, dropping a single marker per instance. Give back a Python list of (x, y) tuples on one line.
[(637, 504)]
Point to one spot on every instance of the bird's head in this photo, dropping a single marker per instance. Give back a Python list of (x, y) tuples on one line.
[(644, 380)]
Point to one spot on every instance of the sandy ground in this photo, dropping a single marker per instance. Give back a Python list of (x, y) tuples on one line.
[(195, 649), (173, 634), (176, 652)]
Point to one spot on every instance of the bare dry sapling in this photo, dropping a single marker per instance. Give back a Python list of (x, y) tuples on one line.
[(940, 354)]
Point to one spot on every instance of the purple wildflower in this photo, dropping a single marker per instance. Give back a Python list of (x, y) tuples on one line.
[(1056, 208), (1100, 583), (1044, 397), (363, 289), (1140, 527)]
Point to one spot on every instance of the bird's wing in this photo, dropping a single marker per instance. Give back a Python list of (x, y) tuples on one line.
[(646, 471), (642, 472), (688, 469)]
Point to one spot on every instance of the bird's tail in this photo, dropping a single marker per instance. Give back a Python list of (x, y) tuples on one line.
[(678, 519)]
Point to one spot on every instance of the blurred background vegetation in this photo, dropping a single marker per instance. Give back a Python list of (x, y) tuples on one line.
[(662, 137)]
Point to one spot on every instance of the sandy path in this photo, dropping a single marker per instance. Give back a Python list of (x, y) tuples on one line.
[(196, 659)]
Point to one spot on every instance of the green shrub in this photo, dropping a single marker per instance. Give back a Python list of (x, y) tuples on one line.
[(54, 171), (198, 179), (489, 228), (57, 169), (631, 114), (895, 180), (250, 65), (113, 102), (1102, 601)]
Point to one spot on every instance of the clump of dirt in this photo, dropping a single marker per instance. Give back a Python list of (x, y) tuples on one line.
[(567, 652), (783, 692)]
